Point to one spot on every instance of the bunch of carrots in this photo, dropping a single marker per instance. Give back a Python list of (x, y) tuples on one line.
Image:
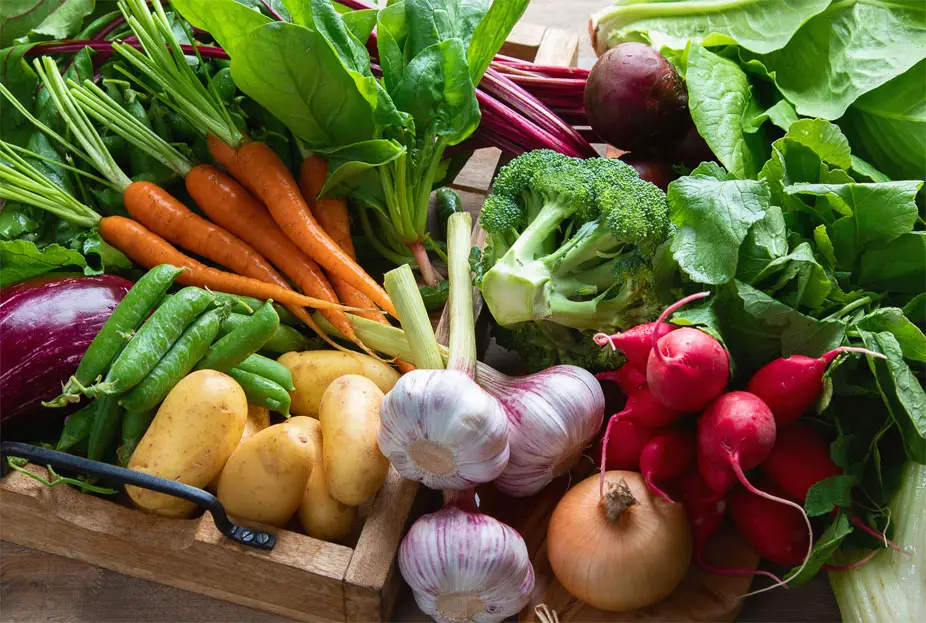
[(262, 225)]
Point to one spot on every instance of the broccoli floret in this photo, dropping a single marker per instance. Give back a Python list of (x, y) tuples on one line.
[(571, 242), (543, 344)]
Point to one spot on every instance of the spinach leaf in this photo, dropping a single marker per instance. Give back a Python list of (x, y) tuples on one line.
[(433, 21), (490, 34), (875, 214), (391, 34), (355, 159), (900, 390), (713, 217), (720, 98), (758, 25), (846, 51), (908, 335), (226, 20), (360, 23), (21, 260), (57, 19), (320, 15), (898, 267), (915, 310)]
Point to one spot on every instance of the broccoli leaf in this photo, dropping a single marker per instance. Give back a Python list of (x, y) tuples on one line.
[(21, 260), (713, 217)]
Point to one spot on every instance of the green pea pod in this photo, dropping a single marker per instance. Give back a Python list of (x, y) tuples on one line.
[(222, 85), (247, 339), (76, 429), (248, 305), (262, 392), (448, 203), (269, 369), (176, 364), (134, 308), (134, 426), (105, 426), (154, 339), (284, 340)]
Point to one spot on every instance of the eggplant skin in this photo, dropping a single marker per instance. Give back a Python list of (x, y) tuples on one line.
[(46, 325)]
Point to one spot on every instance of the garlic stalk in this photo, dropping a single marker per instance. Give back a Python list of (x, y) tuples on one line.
[(465, 566), (438, 426)]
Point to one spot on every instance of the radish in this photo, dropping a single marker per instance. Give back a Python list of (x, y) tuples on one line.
[(625, 445), (666, 456), (687, 368), (791, 386), (738, 432), (717, 478), (628, 378), (706, 510), (636, 342), (799, 460), (776, 532), (644, 408)]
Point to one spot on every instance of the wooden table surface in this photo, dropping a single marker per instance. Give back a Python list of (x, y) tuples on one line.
[(35, 586)]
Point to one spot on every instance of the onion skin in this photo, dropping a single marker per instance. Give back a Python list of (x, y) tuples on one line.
[(631, 563), (47, 324)]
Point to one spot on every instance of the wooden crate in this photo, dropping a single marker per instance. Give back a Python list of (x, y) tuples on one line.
[(301, 578)]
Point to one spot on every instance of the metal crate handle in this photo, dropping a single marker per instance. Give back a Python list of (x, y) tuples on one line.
[(43, 456)]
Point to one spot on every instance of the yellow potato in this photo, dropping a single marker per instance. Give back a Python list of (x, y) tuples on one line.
[(314, 370), (258, 420), (321, 515), (354, 466), (193, 433), (266, 475)]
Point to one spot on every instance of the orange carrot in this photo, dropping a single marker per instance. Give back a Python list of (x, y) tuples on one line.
[(227, 157), (273, 184), (230, 206), (148, 249)]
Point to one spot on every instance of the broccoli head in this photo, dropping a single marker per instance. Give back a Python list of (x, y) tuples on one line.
[(571, 242), (543, 344)]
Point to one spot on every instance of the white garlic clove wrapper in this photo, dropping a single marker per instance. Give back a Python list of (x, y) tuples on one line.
[(441, 429), (464, 566), (552, 417)]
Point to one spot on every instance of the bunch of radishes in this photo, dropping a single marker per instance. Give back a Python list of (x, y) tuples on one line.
[(673, 371)]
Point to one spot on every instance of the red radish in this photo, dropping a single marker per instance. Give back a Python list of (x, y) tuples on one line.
[(738, 431), (799, 460), (776, 532), (666, 456), (628, 378), (706, 510), (718, 478), (643, 408), (791, 386), (625, 445), (636, 342), (687, 368)]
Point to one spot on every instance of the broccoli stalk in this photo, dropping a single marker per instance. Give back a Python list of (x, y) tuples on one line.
[(582, 259)]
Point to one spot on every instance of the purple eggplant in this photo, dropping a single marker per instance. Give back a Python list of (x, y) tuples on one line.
[(46, 324)]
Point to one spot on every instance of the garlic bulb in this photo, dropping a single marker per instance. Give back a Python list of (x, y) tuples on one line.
[(552, 417), (441, 429), (466, 566)]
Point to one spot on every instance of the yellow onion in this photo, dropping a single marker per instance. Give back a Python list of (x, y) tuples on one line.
[(619, 551)]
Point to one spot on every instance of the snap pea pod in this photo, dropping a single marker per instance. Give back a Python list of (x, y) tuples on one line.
[(134, 308), (76, 429), (247, 339), (154, 339), (262, 392), (105, 425), (248, 305), (176, 364), (285, 339), (134, 426), (269, 369)]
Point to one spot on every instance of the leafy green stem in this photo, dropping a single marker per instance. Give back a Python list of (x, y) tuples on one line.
[(462, 327)]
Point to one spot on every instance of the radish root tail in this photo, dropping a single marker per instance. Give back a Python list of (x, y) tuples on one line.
[(604, 452), (722, 571), (603, 339), (738, 470), (658, 491), (668, 311), (855, 565), (881, 536)]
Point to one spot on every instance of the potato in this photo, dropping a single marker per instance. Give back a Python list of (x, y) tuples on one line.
[(194, 432), (314, 370), (321, 515), (354, 467), (266, 475), (258, 420)]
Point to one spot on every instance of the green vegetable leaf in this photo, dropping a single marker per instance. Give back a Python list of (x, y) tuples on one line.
[(102, 257), (720, 98), (391, 34), (353, 160), (898, 267), (781, 114), (21, 260), (900, 390), (490, 34), (915, 310), (360, 23), (864, 172), (829, 493), (66, 20), (226, 20), (850, 49), (57, 19), (433, 21), (760, 26), (17, 76), (823, 549), (825, 246), (813, 286), (876, 214), (888, 125), (767, 240), (320, 16), (908, 335), (713, 217), (824, 138)]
